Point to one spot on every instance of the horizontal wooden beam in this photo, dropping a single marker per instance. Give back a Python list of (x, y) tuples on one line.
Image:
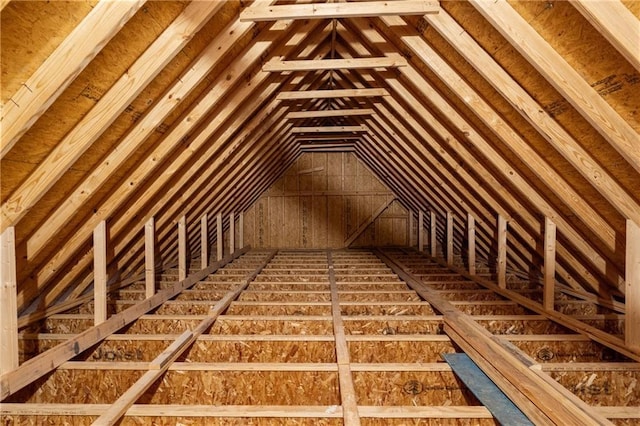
[(37, 367), (329, 129), (340, 10), (330, 113), (327, 94), (276, 65)]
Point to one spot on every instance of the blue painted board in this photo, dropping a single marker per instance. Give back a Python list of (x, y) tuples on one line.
[(501, 407)]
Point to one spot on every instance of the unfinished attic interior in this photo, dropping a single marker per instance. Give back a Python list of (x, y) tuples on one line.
[(321, 213)]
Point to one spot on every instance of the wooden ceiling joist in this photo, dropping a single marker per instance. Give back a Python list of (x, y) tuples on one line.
[(340, 10), (312, 123), (334, 64)]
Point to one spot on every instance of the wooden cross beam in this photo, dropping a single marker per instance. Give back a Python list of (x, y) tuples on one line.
[(339, 10), (276, 65)]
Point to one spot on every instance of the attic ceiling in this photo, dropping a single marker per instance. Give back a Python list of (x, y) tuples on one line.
[(124, 111)]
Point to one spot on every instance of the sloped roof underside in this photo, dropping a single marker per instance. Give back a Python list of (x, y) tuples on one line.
[(169, 111)]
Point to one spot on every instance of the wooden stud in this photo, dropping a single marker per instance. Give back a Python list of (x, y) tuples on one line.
[(330, 113), (564, 78), (62, 66), (182, 248), (328, 94), (232, 232), (219, 236), (339, 10), (150, 257), (449, 238), (276, 65), (204, 241), (100, 272), (632, 296), (37, 367), (8, 304), (420, 230), (241, 231), (471, 243), (433, 233), (502, 252), (549, 264)]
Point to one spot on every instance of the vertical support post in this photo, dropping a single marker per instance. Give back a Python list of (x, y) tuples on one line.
[(8, 302), (241, 231), (433, 235), (449, 238), (204, 241), (150, 257), (420, 230), (471, 243), (182, 248), (412, 222), (632, 278), (219, 238), (502, 252), (232, 233), (549, 264), (100, 273)]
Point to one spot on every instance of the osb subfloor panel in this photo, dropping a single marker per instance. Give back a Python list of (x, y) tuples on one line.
[(273, 356)]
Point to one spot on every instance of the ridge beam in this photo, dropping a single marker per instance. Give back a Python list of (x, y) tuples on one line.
[(339, 10)]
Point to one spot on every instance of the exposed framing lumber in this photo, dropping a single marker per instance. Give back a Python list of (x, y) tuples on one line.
[(616, 23), (563, 77), (330, 113), (100, 117), (549, 282), (37, 367), (219, 236), (510, 175), (62, 67), (329, 94), (534, 113), (420, 230), (340, 10), (632, 296), (241, 230), (347, 389), (276, 65), (9, 310), (501, 261), (3, 4), (449, 237), (150, 257), (232, 233), (533, 391), (162, 362), (182, 248), (433, 233), (100, 278), (369, 221), (238, 68), (471, 243), (204, 241), (329, 129)]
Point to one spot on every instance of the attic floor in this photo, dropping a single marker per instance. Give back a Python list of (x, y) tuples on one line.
[(316, 337)]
